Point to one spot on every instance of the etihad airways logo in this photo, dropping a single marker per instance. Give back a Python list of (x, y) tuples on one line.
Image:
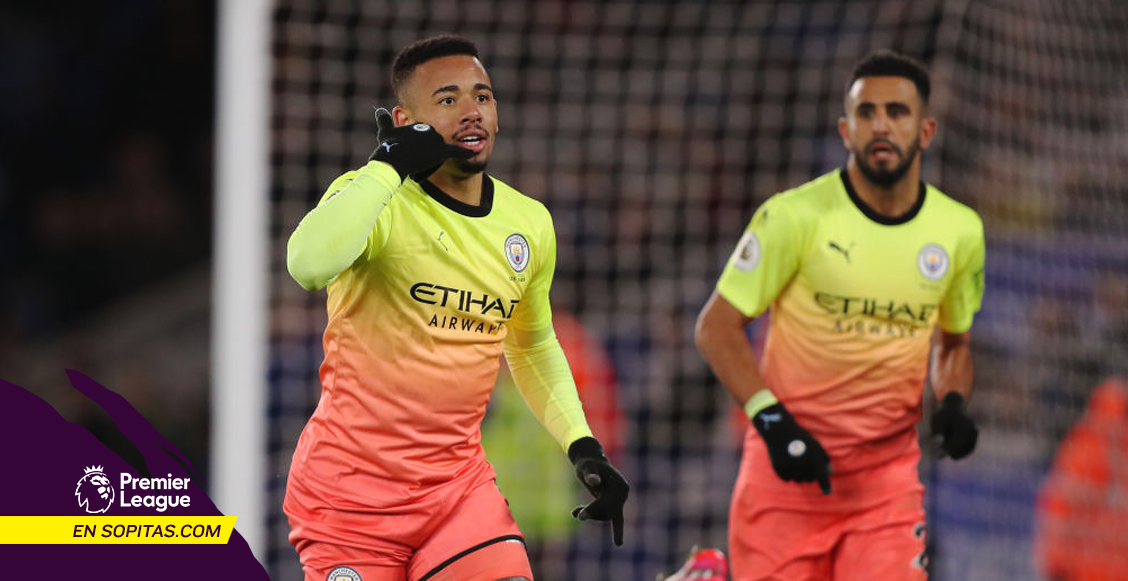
[(475, 304), (463, 300), (882, 308)]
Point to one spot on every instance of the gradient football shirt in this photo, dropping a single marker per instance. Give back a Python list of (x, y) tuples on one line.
[(413, 342), (854, 298)]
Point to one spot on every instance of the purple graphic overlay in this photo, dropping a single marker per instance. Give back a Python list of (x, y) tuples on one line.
[(55, 468)]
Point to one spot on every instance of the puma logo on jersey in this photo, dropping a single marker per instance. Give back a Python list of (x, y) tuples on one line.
[(845, 251), (440, 239), (767, 419)]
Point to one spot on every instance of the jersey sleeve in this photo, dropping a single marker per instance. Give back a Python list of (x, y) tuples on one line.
[(962, 301), (542, 375), (765, 259), (536, 359), (534, 312), (332, 236)]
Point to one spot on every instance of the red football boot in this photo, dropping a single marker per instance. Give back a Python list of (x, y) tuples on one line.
[(703, 565)]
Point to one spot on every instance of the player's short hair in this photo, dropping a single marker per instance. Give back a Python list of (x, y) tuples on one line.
[(886, 63), (424, 50)]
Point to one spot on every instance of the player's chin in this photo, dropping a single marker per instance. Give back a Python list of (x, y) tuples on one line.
[(883, 174), (884, 166), (476, 164)]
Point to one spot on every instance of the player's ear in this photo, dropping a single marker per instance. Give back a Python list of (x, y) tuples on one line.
[(927, 131), (401, 116), (844, 131)]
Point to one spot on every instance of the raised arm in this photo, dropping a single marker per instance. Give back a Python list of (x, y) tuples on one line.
[(335, 233)]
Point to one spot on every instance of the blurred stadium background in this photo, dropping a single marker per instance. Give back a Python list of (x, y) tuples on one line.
[(651, 130)]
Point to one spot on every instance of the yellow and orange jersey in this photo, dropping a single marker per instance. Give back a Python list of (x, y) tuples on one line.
[(854, 299), (412, 346)]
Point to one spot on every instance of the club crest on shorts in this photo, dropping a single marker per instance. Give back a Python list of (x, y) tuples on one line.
[(517, 252), (933, 262), (343, 574), (747, 255)]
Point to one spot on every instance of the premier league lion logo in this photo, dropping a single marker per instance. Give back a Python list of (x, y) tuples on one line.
[(94, 491)]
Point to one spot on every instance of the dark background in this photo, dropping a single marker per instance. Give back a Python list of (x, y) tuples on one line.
[(105, 206)]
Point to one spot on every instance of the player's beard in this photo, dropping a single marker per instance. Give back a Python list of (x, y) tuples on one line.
[(887, 177), (470, 167)]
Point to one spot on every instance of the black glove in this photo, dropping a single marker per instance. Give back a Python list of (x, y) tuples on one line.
[(952, 428), (415, 150), (603, 481), (796, 455)]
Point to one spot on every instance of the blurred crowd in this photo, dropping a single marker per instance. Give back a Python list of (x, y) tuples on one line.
[(105, 201)]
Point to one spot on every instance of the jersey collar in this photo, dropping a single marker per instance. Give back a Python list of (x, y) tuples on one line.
[(879, 218), (480, 211)]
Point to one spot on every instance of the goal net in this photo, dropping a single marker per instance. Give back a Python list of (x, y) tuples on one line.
[(652, 130), (1034, 127)]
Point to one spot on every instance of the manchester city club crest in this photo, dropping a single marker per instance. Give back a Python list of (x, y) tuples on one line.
[(517, 252), (933, 262), (343, 574)]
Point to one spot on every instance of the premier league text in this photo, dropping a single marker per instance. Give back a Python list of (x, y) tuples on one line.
[(162, 502)]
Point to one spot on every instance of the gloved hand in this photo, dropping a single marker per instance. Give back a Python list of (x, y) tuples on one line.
[(603, 481), (952, 428), (796, 455), (415, 150)]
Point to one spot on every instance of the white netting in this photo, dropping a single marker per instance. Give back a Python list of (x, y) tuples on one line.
[(652, 130), (1035, 129)]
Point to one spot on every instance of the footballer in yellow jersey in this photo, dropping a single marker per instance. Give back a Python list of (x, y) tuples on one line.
[(864, 272), (854, 299), (434, 270)]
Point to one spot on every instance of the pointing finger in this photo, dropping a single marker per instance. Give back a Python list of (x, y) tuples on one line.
[(384, 122)]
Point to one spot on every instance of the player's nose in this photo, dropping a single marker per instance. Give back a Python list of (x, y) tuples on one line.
[(471, 115), (881, 124)]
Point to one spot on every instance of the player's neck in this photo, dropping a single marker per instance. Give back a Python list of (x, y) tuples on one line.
[(890, 201), (467, 190)]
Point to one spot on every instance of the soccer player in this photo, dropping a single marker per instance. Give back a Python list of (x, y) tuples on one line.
[(859, 267), (433, 270)]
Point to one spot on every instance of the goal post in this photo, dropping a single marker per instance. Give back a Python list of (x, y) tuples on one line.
[(240, 268)]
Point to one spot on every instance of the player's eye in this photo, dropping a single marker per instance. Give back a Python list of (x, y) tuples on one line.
[(446, 101), (483, 98)]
